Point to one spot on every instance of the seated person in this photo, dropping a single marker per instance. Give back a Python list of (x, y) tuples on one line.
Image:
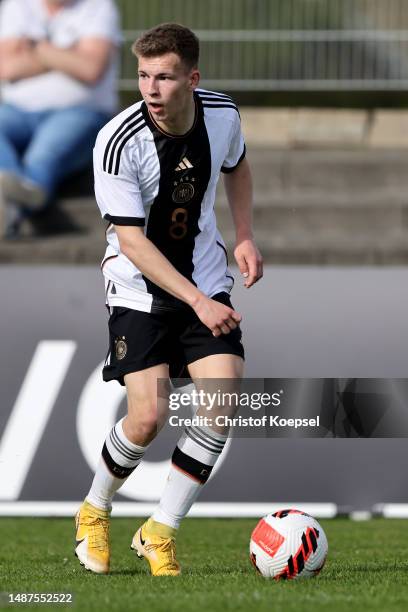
[(58, 64)]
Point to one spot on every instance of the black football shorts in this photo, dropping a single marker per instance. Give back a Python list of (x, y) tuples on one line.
[(140, 340)]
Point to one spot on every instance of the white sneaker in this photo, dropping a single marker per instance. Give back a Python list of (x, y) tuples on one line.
[(23, 192), (3, 205), (10, 216)]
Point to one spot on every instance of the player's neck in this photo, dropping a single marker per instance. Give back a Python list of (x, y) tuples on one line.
[(183, 122)]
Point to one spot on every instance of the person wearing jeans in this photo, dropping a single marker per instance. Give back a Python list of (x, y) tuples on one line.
[(58, 66)]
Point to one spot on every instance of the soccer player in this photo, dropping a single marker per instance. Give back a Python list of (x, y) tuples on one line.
[(167, 280)]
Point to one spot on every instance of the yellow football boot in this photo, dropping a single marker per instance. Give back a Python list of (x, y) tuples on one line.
[(92, 538), (156, 543)]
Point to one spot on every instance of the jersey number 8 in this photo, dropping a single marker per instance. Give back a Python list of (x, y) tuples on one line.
[(178, 228)]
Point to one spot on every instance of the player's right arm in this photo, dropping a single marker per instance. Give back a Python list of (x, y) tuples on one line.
[(220, 319)]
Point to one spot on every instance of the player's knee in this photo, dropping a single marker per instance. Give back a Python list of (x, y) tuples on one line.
[(144, 420), (148, 425)]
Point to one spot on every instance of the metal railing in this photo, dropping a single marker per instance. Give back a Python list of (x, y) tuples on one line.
[(268, 45)]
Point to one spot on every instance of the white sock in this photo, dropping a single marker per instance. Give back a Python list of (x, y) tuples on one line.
[(193, 460), (118, 460)]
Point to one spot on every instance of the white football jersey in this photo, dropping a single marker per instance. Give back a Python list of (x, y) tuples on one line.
[(166, 184)]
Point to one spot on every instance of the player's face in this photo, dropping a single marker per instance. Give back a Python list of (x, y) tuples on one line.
[(166, 85)]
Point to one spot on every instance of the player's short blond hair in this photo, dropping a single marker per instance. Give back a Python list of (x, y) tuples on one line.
[(169, 38)]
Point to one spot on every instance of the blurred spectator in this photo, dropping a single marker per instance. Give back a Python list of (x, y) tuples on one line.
[(58, 64)]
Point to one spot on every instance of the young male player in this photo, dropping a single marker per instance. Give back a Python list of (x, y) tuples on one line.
[(167, 282)]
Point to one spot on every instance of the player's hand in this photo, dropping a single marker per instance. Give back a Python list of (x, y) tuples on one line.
[(249, 261), (220, 319)]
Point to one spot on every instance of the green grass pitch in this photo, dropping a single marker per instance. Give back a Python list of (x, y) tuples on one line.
[(367, 569)]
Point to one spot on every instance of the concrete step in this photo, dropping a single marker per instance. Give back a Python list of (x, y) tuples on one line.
[(376, 238), (334, 207), (330, 248), (292, 198), (364, 218), (326, 171), (60, 250), (325, 217)]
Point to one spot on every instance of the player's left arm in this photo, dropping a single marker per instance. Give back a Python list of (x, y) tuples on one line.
[(238, 187), (85, 61)]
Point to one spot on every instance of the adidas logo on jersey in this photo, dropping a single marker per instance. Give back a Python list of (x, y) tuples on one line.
[(185, 164)]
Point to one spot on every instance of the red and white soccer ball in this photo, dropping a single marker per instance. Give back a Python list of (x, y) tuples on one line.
[(288, 544)]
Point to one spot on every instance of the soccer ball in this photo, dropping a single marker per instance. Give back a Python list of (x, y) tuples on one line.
[(288, 544)]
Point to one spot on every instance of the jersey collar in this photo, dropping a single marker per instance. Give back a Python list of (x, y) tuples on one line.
[(155, 127)]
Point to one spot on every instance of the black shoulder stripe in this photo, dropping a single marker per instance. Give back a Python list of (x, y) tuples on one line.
[(204, 92), (122, 126), (117, 148), (128, 136), (216, 99), (221, 106), (117, 140), (119, 145)]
